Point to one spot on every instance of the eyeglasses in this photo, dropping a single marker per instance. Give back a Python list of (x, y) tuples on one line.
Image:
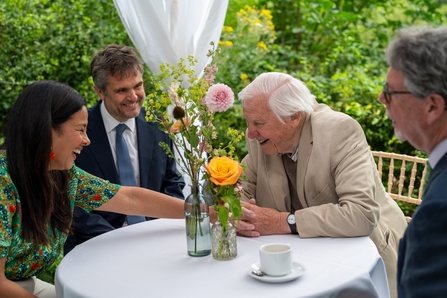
[(388, 93)]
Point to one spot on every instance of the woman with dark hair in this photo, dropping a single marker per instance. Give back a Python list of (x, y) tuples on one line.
[(40, 186)]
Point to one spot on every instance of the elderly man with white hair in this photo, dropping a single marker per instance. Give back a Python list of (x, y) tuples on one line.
[(310, 171)]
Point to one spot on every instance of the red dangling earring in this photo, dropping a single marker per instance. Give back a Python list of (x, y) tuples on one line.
[(52, 155)]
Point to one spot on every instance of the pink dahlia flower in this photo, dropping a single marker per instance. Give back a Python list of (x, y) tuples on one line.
[(219, 98)]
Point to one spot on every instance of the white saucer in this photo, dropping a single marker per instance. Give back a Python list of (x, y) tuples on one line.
[(298, 269)]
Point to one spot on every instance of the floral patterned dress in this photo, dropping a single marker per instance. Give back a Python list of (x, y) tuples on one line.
[(23, 258)]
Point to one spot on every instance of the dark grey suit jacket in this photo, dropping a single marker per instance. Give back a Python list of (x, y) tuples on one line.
[(422, 263), (157, 172)]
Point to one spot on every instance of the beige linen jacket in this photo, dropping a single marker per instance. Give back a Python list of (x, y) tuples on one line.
[(337, 183)]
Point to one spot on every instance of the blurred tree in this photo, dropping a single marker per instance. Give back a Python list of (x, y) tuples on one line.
[(337, 48), (52, 40)]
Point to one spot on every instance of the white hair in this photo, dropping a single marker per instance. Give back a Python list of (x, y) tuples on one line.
[(285, 94)]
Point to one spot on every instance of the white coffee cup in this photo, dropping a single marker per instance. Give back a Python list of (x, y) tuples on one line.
[(276, 258)]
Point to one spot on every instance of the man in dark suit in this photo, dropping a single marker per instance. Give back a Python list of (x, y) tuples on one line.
[(415, 96), (117, 73)]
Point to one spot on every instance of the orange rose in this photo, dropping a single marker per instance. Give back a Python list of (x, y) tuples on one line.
[(224, 170)]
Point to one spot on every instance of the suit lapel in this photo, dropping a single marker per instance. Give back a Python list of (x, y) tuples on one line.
[(277, 181), (145, 146), (100, 148), (304, 152)]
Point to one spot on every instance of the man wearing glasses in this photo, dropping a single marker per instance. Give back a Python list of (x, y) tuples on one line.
[(387, 96), (415, 96)]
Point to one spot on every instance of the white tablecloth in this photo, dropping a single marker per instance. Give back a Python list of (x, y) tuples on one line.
[(150, 260)]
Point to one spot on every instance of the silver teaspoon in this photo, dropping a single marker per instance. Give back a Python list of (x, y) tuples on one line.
[(257, 271)]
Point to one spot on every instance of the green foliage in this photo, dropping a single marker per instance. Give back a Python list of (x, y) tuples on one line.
[(52, 40), (337, 48), (245, 48), (231, 118)]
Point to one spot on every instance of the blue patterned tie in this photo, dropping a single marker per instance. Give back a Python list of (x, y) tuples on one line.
[(125, 168)]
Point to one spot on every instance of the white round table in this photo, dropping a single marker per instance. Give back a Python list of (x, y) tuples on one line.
[(150, 260)]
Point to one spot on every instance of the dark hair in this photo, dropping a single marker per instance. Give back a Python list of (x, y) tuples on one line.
[(40, 108), (114, 60)]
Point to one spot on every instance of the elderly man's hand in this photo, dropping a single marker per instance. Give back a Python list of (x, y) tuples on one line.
[(243, 226), (266, 221)]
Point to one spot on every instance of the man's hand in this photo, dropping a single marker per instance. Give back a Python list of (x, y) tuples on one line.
[(266, 221), (243, 226)]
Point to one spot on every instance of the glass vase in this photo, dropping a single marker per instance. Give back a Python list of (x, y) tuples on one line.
[(223, 241), (197, 219)]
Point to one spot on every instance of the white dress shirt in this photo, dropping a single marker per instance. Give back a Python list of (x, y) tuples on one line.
[(129, 135)]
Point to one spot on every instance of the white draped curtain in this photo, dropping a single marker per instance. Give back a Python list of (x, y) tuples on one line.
[(167, 30)]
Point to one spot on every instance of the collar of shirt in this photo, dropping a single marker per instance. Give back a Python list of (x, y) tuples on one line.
[(110, 123), (437, 153), (294, 155)]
